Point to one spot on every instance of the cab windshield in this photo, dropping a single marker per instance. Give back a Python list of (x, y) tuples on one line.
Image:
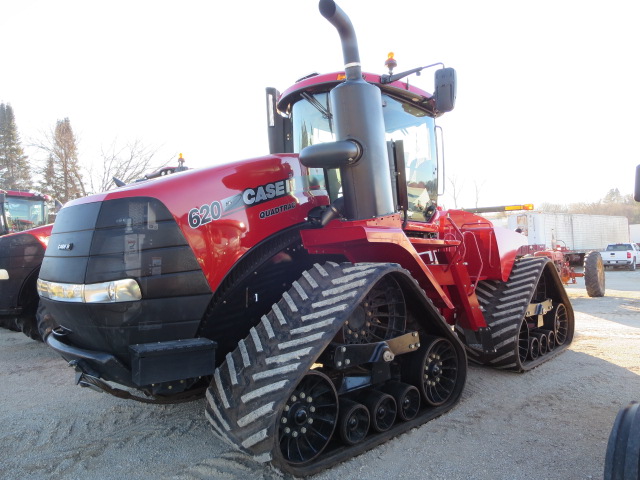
[(24, 213), (312, 124)]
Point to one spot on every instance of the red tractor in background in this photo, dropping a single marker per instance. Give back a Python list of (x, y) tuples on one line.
[(20, 256), (317, 295), (593, 273)]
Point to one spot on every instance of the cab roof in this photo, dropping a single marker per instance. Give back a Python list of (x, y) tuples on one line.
[(316, 83)]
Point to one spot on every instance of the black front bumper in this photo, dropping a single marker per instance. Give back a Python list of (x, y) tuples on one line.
[(152, 363)]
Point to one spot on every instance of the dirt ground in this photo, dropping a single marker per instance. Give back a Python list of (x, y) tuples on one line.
[(550, 423)]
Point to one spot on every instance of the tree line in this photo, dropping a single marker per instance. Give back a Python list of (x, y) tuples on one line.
[(613, 203), (62, 176), (60, 173)]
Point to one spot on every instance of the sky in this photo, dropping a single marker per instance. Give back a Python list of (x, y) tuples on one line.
[(547, 101)]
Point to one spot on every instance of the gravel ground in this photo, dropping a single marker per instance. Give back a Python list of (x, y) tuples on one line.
[(550, 423)]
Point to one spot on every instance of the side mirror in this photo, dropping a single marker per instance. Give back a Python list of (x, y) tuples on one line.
[(636, 194), (445, 86), (279, 127)]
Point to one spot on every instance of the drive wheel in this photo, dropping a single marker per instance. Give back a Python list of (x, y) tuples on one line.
[(380, 316), (433, 369), (594, 278), (308, 419)]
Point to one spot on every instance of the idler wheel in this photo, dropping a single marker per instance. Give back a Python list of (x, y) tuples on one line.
[(353, 423), (407, 398), (433, 369), (382, 408), (560, 324), (308, 418), (524, 345), (534, 348)]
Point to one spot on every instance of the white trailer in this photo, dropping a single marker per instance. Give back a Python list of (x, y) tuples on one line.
[(573, 233), (634, 233)]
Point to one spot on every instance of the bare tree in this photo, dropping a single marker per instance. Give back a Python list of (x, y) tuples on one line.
[(61, 174), (478, 188), (127, 163), (456, 187), (554, 208)]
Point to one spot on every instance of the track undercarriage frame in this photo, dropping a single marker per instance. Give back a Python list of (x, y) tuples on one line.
[(352, 366)]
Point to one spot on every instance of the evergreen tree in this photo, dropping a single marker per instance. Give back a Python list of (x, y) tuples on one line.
[(61, 175), (49, 186), (14, 169)]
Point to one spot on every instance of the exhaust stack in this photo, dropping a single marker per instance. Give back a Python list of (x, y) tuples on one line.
[(336, 17), (359, 126)]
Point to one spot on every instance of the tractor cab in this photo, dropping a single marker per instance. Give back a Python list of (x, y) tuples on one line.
[(303, 116), (21, 211)]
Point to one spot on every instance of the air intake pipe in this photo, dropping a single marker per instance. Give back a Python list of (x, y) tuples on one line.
[(359, 125)]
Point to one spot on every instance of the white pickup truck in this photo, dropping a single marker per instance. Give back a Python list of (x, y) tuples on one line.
[(621, 255)]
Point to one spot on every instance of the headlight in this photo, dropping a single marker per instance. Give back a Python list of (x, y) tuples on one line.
[(126, 290)]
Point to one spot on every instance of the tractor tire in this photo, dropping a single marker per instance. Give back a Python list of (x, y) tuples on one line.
[(594, 278), (275, 398), (622, 461)]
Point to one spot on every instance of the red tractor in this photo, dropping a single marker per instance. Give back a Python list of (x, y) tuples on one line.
[(316, 295), (20, 257), (22, 210), (593, 273)]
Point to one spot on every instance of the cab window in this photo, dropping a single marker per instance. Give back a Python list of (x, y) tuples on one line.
[(311, 122)]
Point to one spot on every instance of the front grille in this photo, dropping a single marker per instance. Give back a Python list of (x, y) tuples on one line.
[(123, 238)]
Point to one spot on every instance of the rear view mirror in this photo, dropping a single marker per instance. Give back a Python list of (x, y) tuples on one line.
[(445, 86)]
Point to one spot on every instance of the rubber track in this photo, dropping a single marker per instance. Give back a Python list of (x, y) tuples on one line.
[(250, 387), (504, 305)]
